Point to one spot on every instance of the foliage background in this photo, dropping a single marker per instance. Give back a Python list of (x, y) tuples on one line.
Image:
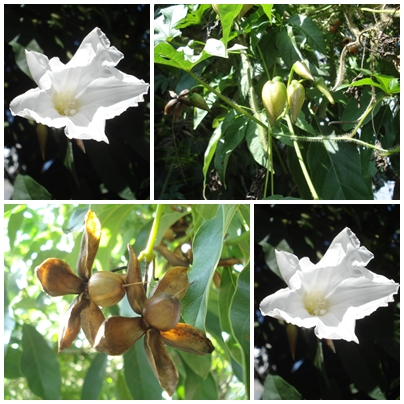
[(221, 153), (35, 232), (370, 370), (120, 170)]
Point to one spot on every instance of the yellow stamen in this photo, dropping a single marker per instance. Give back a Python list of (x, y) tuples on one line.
[(315, 304), (65, 104)]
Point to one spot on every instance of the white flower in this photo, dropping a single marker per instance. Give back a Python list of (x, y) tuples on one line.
[(82, 94), (332, 294)]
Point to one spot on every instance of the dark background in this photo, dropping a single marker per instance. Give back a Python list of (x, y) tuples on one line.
[(105, 171), (309, 230)]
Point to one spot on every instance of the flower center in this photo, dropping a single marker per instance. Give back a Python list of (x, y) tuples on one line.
[(315, 304), (65, 104)]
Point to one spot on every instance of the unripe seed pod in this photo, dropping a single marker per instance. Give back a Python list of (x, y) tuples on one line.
[(296, 96), (274, 98), (162, 311), (106, 288), (322, 87), (302, 70), (198, 101)]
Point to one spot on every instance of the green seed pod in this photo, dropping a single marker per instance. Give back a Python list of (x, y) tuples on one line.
[(198, 101), (274, 98), (320, 84), (302, 70), (296, 96)]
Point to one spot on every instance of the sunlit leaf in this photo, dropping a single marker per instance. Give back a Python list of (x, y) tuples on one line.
[(39, 365), (94, 378)]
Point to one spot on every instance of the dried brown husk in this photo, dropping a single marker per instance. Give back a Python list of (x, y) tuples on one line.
[(89, 245), (135, 293), (91, 320), (71, 323), (117, 334), (188, 338), (174, 282), (58, 279), (160, 361)]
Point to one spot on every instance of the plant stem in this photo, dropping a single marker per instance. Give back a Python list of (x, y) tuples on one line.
[(226, 100), (301, 161), (148, 253), (269, 163)]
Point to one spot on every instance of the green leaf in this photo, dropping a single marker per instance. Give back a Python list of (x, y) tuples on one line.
[(194, 17), (310, 31), (210, 152), (268, 10), (12, 360), (233, 136), (254, 144), (165, 54), (197, 388), (226, 292), (336, 171), (200, 365), (207, 248), (357, 367), (276, 388), (19, 53), (139, 376), (95, 376), (286, 44), (25, 187), (228, 12), (240, 320), (39, 365), (164, 26), (122, 390)]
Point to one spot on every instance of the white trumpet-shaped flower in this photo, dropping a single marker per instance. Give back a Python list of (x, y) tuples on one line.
[(81, 94), (332, 294)]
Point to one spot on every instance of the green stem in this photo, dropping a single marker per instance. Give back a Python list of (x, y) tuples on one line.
[(226, 100), (342, 138), (148, 251), (363, 117), (269, 164), (301, 161)]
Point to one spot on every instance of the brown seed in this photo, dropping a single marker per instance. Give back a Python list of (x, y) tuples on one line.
[(162, 311), (106, 288)]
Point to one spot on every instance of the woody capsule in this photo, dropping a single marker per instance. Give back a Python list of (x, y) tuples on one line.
[(58, 279), (157, 319)]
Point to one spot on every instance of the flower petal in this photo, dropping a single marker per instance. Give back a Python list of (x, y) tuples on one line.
[(38, 64), (287, 305), (345, 249), (160, 361), (117, 334), (188, 338), (288, 266), (89, 245), (38, 105), (174, 282), (70, 325), (58, 279), (89, 84), (361, 296), (91, 320), (135, 293)]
